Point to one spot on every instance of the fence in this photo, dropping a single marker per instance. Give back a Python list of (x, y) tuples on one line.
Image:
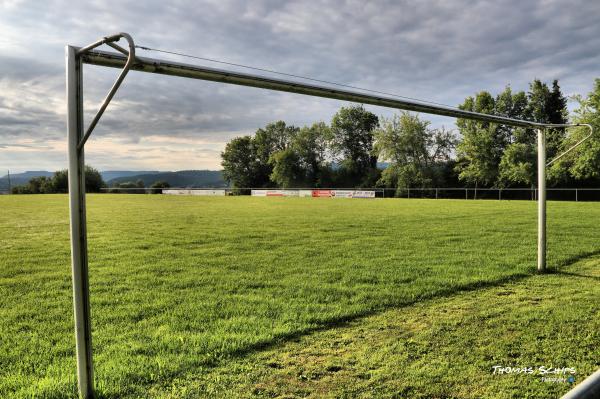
[(553, 194)]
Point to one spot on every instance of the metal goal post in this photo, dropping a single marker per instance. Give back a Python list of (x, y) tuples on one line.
[(125, 59)]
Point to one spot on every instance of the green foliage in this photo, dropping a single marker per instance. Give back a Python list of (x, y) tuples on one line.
[(518, 165), (313, 144), (93, 180), (584, 163), (345, 154), (481, 147), (274, 137), (183, 289), (240, 163), (504, 156), (352, 133), (548, 106), (247, 161), (286, 168), (304, 163), (59, 183), (414, 151), (286, 156), (157, 186), (160, 184)]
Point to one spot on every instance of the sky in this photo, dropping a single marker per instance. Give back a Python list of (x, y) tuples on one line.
[(440, 51)]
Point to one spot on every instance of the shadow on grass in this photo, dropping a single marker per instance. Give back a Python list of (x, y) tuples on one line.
[(597, 278), (576, 258), (345, 320), (444, 293)]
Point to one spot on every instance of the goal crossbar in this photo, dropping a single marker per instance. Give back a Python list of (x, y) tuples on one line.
[(166, 67)]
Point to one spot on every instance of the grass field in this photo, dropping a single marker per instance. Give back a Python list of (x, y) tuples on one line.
[(281, 297)]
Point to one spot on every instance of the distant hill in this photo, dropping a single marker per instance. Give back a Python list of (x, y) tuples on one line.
[(109, 175), (18, 179), (182, 178)]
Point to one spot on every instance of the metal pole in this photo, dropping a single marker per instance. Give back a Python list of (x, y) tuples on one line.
[(587, 389), (576, 195), (79, 260), (9, 185), (500, 194), (436, 193), (541, 195)]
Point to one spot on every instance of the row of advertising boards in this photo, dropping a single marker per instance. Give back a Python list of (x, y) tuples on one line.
[(279, 193), (314, 193)]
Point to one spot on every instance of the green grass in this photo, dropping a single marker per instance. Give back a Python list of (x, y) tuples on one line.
[(195, 297)]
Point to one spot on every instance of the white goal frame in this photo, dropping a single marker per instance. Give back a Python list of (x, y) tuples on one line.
[(126, 60)]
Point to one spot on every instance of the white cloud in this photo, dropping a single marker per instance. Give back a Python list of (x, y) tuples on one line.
[(437, 50)]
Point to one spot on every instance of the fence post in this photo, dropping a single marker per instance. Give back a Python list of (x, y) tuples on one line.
[(436, 193), (576, 195), (500, 195), (466, 193), (409, 192)]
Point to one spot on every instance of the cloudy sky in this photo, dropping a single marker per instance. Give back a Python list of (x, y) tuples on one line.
[(434, 50)]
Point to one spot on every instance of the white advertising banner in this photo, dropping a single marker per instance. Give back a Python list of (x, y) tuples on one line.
[(353, 194), (364, 194), (195, 192), (289, 193), (274, 193), (342, 194)]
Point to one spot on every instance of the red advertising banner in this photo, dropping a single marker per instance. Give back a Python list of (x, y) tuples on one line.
[(321, 193)]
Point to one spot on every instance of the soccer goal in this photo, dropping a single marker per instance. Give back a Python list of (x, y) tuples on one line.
[(126, 60)]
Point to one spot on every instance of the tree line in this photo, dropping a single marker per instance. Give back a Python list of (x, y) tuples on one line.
[(359, 149), (59, 183)]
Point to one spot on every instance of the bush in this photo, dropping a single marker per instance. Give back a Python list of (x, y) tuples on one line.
[(157, 186)]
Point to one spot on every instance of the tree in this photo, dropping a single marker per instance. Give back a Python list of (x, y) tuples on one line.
[(93, 180), (547, 106), (501, 155), (274, 137), (157, 186), (60, 181), (352, 139), (36, 185), (518, 165), (247, 161), (287, 171), (312, 146), (241, 166), (415, 152), (480, 150), (584, 163)]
